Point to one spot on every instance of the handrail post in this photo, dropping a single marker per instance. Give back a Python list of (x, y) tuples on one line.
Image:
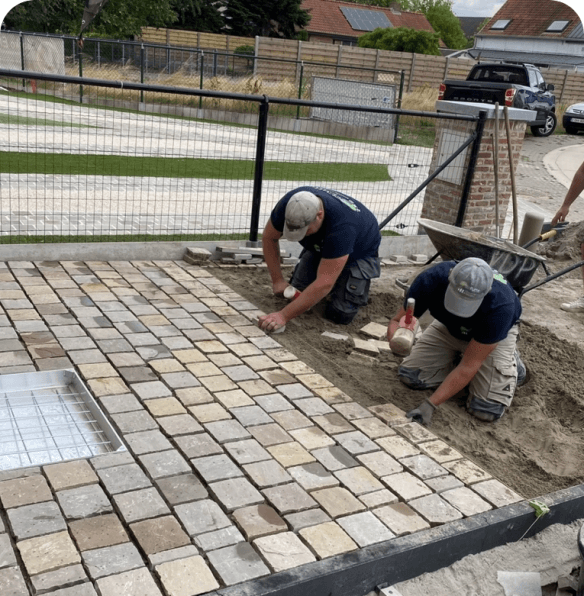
[(259, 169), (472, 162)]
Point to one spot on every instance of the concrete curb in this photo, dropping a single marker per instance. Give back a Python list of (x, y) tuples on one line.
[(128, 251)]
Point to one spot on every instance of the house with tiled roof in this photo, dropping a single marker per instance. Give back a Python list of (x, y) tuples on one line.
[(540, 32), (344, 22), (470, 25)]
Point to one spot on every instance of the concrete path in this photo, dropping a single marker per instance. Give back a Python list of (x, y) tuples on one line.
[(563, 162), (29, 201), (241, 462)]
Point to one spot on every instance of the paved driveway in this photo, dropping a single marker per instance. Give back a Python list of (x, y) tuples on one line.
[(241, 462)]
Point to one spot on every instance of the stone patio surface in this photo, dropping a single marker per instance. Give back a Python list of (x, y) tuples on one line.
[(241, 461)]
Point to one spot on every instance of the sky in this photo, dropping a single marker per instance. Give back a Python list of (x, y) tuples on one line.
[(487, 8), (475, 8)]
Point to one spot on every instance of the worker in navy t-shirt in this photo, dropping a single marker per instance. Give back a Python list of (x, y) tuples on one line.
[(340, 239), (470, 343)]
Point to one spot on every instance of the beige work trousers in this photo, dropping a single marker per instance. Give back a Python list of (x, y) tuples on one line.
[(437, 352)]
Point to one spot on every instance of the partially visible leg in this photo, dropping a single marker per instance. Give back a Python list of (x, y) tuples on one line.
[(351, 290), (305, 271), (432, 358), (493, 387), (348, 295), (577, 305)]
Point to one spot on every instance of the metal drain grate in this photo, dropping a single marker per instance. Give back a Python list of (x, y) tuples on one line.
[(48, 417)]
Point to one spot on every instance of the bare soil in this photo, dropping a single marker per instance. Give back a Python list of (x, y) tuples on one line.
[(538, 446)]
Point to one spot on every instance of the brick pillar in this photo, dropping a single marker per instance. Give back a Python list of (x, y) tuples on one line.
[(443, 194)]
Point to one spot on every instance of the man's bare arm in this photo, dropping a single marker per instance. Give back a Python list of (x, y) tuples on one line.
[(573, 193), (326, 277), (271, 249), (472, 359)]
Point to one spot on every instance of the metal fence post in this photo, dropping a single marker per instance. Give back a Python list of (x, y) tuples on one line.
[(472, 162), (399, 104), (80, 74), (22, 57), (201, 79), (142, 72), (259, 170), (300, 89)]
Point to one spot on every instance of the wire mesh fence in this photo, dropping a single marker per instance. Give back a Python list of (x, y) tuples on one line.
[(91, 160), (237, 72)]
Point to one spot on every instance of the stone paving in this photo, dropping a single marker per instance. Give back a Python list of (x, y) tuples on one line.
[(241, 461)]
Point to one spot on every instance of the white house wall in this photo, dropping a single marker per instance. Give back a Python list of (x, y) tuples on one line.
[(535, 45)]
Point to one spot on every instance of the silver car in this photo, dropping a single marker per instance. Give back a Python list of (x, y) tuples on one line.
[(573, 119)]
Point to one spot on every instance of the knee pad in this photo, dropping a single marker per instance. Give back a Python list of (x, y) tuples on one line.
[(487, 411), (337, 316)]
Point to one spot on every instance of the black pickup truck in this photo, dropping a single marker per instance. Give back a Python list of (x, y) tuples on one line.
[(513, 85)]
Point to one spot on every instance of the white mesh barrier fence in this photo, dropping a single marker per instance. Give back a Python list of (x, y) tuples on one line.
[(34, 53)]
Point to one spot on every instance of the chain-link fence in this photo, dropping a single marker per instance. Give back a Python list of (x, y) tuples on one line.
[(104, 160), (236, 72)]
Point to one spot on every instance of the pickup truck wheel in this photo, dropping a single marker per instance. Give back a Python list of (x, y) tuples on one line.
[(548, 128)]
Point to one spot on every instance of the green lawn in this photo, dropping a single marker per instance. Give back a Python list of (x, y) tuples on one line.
[(226, 169)]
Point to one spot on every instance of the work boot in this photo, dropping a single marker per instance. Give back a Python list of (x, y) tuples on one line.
[(576, 306), (521, 370)]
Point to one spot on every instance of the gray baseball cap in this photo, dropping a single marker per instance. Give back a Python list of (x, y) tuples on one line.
[(301, 211), (469, 282)]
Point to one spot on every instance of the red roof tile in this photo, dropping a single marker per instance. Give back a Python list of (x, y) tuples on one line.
[(327, 17), (531, 18)]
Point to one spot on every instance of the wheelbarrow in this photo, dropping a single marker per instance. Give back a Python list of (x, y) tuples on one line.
[(515, 263)]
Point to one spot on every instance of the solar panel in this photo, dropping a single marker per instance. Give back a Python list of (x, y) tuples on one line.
[(366, 20)]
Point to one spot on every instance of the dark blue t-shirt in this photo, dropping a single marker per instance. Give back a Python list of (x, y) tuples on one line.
[(498, 312), (348, 228)]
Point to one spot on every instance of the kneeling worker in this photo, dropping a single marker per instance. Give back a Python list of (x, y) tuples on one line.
[(471, 342), (340, 239)]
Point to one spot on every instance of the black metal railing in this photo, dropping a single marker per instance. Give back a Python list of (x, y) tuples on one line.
[(110, 160)]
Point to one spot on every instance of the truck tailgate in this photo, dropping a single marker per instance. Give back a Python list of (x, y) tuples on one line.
[(476, 92)]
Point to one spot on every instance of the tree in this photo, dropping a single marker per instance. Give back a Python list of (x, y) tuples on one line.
[(439, 14), (268, 18), (119, 19), (198, 15), (447, 25), (402, 39), (443, 20)]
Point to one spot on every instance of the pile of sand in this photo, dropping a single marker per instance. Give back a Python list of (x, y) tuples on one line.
[(565, 245)]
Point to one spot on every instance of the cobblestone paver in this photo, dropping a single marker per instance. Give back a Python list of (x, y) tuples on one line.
[(241, 461)]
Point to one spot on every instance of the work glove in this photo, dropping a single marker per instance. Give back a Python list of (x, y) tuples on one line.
[(423, 413)]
